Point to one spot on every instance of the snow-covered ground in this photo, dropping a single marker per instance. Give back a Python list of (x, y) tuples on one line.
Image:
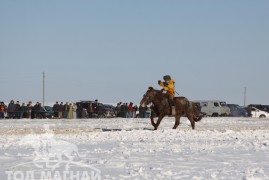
[(219, 148)]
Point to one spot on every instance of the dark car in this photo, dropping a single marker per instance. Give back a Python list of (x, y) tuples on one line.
[(237, 111), (83, 109), (49, 109), (102, 110), (106, 110), (260, 107), (43, 113)]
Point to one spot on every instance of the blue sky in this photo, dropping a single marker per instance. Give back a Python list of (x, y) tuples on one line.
[(114, 50)]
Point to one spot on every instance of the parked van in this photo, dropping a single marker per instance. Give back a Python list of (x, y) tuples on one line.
[(214, 108)]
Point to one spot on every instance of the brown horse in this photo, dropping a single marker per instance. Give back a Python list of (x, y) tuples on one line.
[(161, 108)]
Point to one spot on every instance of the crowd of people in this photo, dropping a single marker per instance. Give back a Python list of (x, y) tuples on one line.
[(130, 110), (18, 111), (29, 111), (65, 111), (69, 110)]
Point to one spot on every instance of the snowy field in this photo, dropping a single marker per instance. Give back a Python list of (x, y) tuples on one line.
[(219, 148)]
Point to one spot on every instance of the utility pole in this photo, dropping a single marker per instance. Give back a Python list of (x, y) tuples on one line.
[(43, 88), (245, 96)]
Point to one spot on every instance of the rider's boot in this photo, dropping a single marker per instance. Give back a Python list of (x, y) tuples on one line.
[(173, 108)]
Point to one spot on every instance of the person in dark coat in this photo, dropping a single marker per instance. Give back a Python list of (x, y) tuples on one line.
[(118, 110), (29, 109), (17, 110), (143, 111), (135, 109), (35, 110), (79, 111), (65, 110), (95, 106), (61, 109), (249, 111), (23, 111), (56, 109), (90, 110), (11, 109), (124, 110)]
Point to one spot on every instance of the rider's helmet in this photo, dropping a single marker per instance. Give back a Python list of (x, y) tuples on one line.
[(167, 78)]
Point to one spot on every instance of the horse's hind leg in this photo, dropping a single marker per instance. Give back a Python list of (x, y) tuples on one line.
[(177, 121)]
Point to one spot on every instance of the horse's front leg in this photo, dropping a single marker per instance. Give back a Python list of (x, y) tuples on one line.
[(177, 121), (158, 122), (190, 117)]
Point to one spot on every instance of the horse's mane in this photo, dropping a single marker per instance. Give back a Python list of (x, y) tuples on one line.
[(152, 89)]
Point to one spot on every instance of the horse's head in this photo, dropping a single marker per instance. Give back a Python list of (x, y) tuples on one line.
[(198, 115), (149, 96), (196, 108)]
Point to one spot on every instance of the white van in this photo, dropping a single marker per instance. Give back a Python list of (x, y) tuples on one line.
[(214, 108)]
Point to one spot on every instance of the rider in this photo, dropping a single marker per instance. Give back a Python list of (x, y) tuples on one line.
[(169, 86)]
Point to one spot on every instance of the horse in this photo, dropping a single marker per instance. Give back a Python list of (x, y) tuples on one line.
[(161, 108)]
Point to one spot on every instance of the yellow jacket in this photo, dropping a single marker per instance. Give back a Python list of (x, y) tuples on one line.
[(169, 88)]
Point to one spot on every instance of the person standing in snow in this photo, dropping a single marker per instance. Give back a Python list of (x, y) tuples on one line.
[(90, 110), (17, 110), (2, 110), (70, 111), (23, 111), (61, 108), (118, 110), (75, 110), (56, 109), (130, 110), (29, 109), (65, 110), (11, 109)]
